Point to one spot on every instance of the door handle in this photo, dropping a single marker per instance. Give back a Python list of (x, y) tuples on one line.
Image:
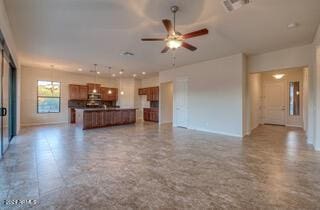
[(3, 112)]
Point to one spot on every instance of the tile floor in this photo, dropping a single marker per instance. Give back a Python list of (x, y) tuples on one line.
[(145, 166)]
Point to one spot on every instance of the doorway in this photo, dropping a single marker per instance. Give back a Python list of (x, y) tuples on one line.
[(181, 103), (7, 97), (166, 103), (279, 97)]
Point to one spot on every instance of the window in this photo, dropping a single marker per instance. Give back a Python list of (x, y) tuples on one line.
[(48, 97), (294, 98)]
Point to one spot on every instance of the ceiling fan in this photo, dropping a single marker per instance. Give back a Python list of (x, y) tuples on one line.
[(175, 39)]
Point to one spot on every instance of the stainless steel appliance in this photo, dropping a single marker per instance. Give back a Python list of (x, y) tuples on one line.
[(94, 99)]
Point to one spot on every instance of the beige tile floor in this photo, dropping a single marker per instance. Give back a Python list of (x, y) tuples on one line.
[(145, 166)]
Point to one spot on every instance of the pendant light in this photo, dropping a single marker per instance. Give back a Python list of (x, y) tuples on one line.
[(121, 92), (50, 86), (95, 79)]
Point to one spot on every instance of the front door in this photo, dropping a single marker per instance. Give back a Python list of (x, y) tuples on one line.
[(274, 103)]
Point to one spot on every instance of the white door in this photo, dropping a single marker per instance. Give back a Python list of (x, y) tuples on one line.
[(274, 103), (180, 103)]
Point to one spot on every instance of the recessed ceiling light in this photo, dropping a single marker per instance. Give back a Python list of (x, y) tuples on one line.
[(144, 73), (278, 76), (134, 75), (293, 25), (79, 69), (113, 75)]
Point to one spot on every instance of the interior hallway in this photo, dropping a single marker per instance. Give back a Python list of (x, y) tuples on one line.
[(147, 166)]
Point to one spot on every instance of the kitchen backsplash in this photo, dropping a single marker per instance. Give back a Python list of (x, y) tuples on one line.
[(83, 103)]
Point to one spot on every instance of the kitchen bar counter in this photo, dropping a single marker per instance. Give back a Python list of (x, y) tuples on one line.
[(88, 118)]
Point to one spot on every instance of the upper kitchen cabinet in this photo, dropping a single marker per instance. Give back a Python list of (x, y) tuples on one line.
[(109, 94), (78, 92), (112, 94), (92, 86), (83, 90), (143, 91), (151, 92), (74, 92), (104, 93)]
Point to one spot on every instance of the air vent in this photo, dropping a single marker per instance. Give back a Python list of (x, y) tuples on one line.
[(231, 5), (127, 54)]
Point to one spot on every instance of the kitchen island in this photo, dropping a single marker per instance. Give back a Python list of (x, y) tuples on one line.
[(88, 118)]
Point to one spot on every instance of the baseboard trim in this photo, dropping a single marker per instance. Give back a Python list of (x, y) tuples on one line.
[(166, 122), (37, 124), (296, 126), (216, 132)]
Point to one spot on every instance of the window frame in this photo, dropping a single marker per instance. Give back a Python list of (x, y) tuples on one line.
[(59, 97), (293, 114)]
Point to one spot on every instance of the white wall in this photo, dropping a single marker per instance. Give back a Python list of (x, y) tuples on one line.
[(305, 90), (150, 82), (255, 98), (281, 59), (29, 78), (166, 103), (317, 92), (215, 94), (8, 35), (127, 85)]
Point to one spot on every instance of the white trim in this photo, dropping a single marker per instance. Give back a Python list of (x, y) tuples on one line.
[(36, 124), (165, 122), (296, 126), (216, 132)]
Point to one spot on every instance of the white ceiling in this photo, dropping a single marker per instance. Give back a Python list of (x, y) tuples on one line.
[(78, 33)]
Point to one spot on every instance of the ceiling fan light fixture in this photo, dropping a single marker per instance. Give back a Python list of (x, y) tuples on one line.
[(174, 43)]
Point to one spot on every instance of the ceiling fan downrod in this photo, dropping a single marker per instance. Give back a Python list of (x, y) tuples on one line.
[(174, 10)]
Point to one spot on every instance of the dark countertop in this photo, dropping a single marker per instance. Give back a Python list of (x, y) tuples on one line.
[(103, 109)]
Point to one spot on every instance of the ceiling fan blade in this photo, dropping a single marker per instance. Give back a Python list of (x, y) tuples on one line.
[(152, 39), (188, 46), (196, 33), (168, 25), (165, 49)]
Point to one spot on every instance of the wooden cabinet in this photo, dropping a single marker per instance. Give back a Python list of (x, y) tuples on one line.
[(104, 93), (151, 92), (92, 86), (143, 91), (74, 92), (83, 92), (151, 114), (78, 92), (156, 94), (104, 118), (109, 94), (72, 116), (112, 94)]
